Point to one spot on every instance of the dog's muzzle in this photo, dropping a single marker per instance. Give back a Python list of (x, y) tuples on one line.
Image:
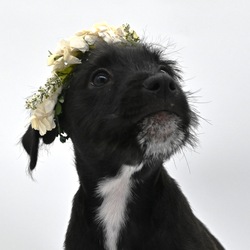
[(161, 85), (160, 134)]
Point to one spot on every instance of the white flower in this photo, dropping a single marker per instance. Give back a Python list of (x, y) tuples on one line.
[(59, 64), (90, 39), (42, 118), (65, 54), (63, 57), (77, 42), (69, 59)]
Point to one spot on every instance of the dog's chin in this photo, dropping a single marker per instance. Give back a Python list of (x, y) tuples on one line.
[(160, 135)]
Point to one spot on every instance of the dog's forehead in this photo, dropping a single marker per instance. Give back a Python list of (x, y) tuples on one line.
[(137, 55)]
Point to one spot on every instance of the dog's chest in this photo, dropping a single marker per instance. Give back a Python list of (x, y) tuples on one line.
[(116, 192)]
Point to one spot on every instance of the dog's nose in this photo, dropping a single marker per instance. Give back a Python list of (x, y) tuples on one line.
[(161, 84)]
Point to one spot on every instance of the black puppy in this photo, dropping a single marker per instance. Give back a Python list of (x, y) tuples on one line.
[(126, 113)]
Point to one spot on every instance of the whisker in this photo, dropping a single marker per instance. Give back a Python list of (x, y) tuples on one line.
[(189, 170)]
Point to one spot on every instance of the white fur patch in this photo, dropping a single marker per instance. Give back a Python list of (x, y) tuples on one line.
[(160, 135), (116, 192)]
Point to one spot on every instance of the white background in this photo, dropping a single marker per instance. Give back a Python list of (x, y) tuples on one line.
[(211, 41)]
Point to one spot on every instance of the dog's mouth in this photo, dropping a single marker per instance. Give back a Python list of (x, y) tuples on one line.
[(160, 134), (159, 125)]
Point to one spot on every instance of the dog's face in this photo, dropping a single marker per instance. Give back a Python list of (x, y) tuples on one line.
[(126, 103)]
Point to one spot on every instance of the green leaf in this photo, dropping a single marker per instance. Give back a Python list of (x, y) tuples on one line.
[(64, 71), (58, 109)]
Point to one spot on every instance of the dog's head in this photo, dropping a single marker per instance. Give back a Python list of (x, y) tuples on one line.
[(123, 103)]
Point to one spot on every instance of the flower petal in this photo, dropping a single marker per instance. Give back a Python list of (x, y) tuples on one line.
[(69, 59), (49, 105), (90, 39), (42, 129), (79, 43)]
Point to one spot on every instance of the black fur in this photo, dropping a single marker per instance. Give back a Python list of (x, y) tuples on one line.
[(111, 94)]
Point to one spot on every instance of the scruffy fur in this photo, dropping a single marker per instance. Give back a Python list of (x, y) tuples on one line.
[(126, 114)]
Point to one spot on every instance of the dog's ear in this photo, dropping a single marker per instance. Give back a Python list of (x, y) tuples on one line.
[(30, 141)]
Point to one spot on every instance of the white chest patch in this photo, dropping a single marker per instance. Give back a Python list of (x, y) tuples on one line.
[(116, 192)]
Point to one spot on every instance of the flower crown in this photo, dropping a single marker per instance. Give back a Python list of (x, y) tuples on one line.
[(45, 105)]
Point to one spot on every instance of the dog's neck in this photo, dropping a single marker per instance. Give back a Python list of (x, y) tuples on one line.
[(116, 193), (110, 193), (93, 169)]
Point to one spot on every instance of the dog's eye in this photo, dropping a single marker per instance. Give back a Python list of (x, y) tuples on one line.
[(100, 78)]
